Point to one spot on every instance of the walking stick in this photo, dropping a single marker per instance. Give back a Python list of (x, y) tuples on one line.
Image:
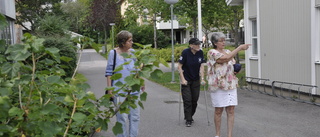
[(179, 104), (205, 98)]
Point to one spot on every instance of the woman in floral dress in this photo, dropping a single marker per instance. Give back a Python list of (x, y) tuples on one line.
[(222, 80)]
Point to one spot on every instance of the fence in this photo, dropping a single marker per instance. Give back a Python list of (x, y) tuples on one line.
[(292, 91)]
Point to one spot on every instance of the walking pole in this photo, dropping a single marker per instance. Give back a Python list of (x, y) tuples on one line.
[(179, 104), (205, 98)]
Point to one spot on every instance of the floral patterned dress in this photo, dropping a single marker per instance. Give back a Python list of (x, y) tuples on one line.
[(220, 76)]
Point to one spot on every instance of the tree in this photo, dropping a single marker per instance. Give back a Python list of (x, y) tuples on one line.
[(33, 10), (104, 12), (77, 12), (188, 8), (152, 9)]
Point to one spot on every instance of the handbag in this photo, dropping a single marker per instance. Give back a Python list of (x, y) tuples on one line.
[(114, 65), (236, 67)]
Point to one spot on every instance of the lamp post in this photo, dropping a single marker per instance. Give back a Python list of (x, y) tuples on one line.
[(112, 24), (199, 21), (171, 2)]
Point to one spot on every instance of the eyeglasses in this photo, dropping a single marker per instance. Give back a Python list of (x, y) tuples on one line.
[(221, 40)]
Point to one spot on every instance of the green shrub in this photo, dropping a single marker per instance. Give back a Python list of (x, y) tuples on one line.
[(54, 30), (144, 35), (66, 50)]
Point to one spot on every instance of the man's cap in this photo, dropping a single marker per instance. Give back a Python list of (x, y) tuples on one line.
[(194, 41)]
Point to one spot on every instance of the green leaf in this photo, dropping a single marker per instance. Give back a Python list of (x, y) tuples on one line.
[(118, 68), (53, 52), (53, 79), (96, 47), (16, 112), (65, 59), (118, 84), (162, 61), (37, 45), (140, 104), (2, 45), (3, 22), (20, 48), (4, 106), (116, 76), (147, 59), (157, 73), (49, 128), (18, 56), (79, 117), (91, 95), (143, 96), (68, 98), (5, 92), (18, 52), (117, 129), (131, 80), (11, 69), (48, 108), (138, 44)]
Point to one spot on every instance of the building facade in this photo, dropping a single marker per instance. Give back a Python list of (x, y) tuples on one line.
[(285, 38)]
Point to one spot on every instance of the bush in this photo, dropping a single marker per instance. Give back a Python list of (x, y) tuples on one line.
[(53, 30), (144, 35), (166, 53), (66, 50)]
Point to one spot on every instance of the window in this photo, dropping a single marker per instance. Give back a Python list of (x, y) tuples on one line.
[(254, 37)]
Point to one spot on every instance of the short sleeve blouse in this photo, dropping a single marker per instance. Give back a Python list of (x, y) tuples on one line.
[(220, 75)]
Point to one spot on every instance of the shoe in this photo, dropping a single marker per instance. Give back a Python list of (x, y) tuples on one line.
[(188, 124)]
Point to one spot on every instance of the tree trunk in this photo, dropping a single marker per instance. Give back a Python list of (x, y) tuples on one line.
[(155, 31), (105, 38)]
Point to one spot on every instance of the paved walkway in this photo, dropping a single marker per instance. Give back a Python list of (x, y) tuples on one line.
[(257, 115)]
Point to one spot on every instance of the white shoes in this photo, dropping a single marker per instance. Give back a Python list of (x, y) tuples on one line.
[(216, 136)]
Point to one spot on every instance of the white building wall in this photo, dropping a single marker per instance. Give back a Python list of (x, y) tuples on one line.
[(285, 45), (317, 2), (167, 25), (7, 8)]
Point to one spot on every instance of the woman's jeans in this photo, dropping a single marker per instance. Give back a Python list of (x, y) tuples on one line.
[(133, 116), (190, 96)]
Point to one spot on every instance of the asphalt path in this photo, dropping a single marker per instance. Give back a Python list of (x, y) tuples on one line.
[(257, 115)]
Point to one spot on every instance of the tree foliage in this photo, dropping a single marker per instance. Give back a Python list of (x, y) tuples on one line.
[(104, 12), (76, 12), (30, 11), (188, 9)]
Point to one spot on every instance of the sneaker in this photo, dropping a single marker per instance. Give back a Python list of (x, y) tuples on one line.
[(188, 124)]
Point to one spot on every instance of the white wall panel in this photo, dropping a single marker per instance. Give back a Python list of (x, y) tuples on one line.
[(254, 68), (252, 8), (285, 45)]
